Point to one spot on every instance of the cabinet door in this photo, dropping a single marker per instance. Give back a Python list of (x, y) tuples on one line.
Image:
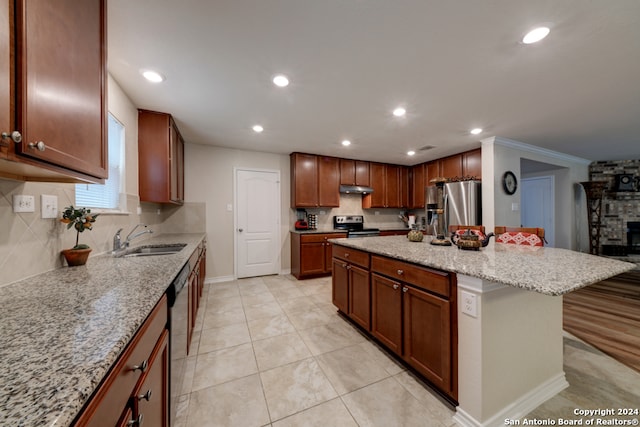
[(377, 199), (347, 172), (312, 259), (61, 83), (176, 164), (472, 163), (434, 170), (452, 166), (328, 256), (393, 188), (191, 320), (416, 186), (151, 396), (340, 285), (304, 180), (427, 335), (5, 80), (360, 296), (362, 173), (386, 312), (328, 181)]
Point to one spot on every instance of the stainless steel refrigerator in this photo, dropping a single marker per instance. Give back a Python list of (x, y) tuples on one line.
[(462, 202)]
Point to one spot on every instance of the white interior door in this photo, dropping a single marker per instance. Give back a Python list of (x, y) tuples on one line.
[(257, 222), (538, 205)]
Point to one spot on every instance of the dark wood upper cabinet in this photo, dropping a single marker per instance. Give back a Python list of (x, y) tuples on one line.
[(315, 181), (5, 80), (60, 109), (452, 166), (417, 184), (472, 163), (354, 172), (388, 189), (160, 158), (434, 170)]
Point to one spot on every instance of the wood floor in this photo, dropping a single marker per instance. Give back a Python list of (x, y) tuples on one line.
[(607, 316)]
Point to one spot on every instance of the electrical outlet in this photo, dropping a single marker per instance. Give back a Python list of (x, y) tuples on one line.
[(22, 203), (469, 304), (48, 206), (229, 207)]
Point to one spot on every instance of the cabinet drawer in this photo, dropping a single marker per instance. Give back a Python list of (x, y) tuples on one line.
[(354, 256), (319, 238), (431, 280), (119, 384)]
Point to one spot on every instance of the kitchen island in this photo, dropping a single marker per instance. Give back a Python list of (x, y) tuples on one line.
[(506, 315), (62, 331)]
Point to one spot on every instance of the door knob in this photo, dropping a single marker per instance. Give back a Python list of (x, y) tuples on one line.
[(240, 230)]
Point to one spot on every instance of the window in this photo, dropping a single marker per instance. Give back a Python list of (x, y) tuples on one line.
[(109, 195)]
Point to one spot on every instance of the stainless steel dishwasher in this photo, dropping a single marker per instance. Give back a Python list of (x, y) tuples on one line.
[(178, 296)]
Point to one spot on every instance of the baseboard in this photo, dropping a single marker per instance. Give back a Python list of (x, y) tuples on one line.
[(518, 408), (218, 279), (285, 272)]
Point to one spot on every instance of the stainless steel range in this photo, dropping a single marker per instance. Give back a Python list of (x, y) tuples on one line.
[(354, 225)]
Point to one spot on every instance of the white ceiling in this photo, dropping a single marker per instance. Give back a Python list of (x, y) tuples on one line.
[(453, 64)]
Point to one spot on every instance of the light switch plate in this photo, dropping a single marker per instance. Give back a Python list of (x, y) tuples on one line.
[(23, 203), (48, 206)]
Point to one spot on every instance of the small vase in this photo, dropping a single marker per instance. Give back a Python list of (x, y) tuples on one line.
[(415, 236), (76, 257)]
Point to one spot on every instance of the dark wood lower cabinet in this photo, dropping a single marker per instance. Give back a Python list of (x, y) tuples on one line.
[(150, 395), (386, 312), (427, 335), (410, 309), (311, 254)]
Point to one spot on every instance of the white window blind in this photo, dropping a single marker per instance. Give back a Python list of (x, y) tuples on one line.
[(107, 195)]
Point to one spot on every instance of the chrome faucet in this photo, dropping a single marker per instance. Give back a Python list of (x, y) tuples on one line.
[(119, 248)]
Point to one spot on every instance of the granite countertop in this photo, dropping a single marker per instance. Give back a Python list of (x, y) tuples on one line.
[(550, 271), (61, 331)]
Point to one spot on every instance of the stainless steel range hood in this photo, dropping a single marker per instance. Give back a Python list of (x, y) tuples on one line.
[(355, 189)]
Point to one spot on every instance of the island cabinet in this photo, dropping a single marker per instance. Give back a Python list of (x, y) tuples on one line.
[(160, 158), (386, 181), (354, 172), (137, 387), (351, 287), (311, 254), (53, 81), (413, 313), (315, 181)]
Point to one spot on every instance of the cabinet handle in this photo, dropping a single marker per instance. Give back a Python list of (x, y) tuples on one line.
[(146, 396), (136, 421), (15, 136), (346, 255), (344, 265), (405, 289), (143, 366), (40, 146), (400, 272), (348, 267), (396, 286)]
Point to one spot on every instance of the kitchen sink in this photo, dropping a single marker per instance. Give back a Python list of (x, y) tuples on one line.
[(153, 250)]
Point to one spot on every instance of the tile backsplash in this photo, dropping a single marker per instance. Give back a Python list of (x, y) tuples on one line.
[(618, 208), (30, 245)]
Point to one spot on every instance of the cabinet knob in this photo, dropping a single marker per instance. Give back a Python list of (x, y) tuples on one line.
[(146, 396), (15, 136), (142, 367), (40, 146), (405, 289), (396, 286), (136, 421), (346, 255), (400, 272)]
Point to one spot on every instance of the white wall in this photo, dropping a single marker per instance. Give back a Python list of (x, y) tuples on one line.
[(209, 179), (500, 155)]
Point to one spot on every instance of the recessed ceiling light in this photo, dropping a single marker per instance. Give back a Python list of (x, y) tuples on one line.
[(258, 128), (411, 153), (535, 35), (152, 76), (281, 80), (399, 112), (475, 131), (346, 143)]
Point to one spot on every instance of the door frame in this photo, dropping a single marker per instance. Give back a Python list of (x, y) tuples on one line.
[(278, 239)]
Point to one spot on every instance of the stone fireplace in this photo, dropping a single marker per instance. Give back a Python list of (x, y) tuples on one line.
[(619, 231)]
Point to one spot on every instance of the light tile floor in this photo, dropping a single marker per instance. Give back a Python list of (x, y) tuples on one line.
[(272, 351)]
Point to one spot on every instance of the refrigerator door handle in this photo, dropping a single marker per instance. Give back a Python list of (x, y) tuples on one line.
[(445, 214)]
